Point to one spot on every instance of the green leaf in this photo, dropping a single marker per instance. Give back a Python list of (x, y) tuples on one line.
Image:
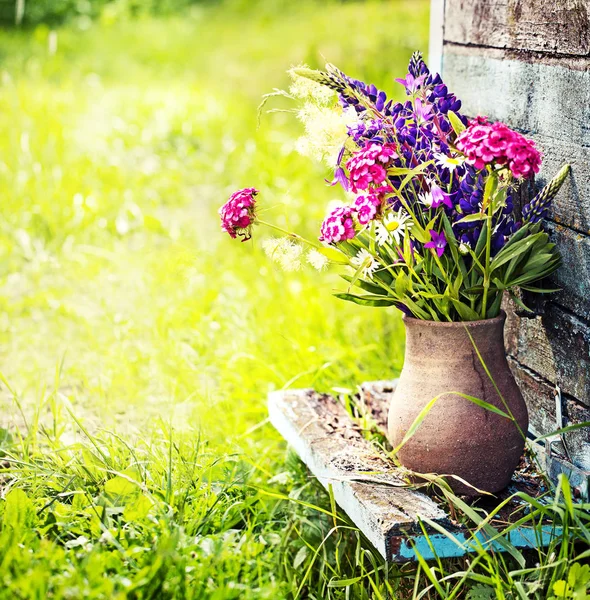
[(489, 189), (139, 509), (334, 583), (412, 174), (538, 290), (465, 312), (300, 557), (472, 218), (365, 300), (123, 484), (417, 311), (419, 233), (519, 302), (401, 284), (333, 255), (456, 122), (582, 425), (517, 249), (367, 286), (495, 305), (18, 510)]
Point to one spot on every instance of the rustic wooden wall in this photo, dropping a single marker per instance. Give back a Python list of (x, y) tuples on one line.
[(527, 63)]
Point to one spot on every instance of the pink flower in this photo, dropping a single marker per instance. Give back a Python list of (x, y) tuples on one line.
[(238, 213), (338, 225), (484, 144), (367, 208), (367, 166)]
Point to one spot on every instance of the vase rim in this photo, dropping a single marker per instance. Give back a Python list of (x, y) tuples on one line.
[(455, 324)]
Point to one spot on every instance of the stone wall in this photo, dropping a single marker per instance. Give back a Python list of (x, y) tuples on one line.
[(527, 63)]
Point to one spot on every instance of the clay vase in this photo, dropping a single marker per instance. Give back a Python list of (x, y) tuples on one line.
[(458, 437)]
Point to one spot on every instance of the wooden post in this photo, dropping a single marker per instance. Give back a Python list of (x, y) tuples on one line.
[(528, 64)]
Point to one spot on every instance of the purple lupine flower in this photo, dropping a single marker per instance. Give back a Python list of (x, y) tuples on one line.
[(365, 131), (438, 242)]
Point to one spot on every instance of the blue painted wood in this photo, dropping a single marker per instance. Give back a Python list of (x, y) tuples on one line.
[(438, 545)]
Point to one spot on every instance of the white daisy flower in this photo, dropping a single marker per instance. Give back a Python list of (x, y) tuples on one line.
[(317, 260), (447, 161), (365, 260), (381, 233), (397, 224)]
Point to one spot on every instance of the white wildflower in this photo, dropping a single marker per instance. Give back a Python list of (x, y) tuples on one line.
[(365, 260), (464, 248), (317, 260), (426, 199), (325, 132), (448, 161), (397, 223), (306, 89), (284, 252)]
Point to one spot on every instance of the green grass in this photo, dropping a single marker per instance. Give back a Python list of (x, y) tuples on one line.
[(138, 343), (136, 338)]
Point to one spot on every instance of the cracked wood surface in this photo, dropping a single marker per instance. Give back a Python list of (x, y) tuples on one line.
[(558, 27)]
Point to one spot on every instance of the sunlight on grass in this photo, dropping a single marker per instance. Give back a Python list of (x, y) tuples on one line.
[(113, 169), (117, 151)]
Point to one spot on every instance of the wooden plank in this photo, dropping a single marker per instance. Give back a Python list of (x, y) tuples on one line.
[(435, 47), (365, 483), (574, 276), (571, 207), (536, 98), (553, 27), (549, 103), (555, 345), (325, 438), (539, 395)]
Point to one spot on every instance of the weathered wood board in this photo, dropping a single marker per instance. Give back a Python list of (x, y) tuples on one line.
[(528, 64), (557, 27), (368, 486)]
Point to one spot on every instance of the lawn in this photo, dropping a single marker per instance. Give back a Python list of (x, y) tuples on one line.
[(138, 343)]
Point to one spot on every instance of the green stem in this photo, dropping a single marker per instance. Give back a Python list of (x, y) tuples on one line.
[(486, 277), (288, 233)]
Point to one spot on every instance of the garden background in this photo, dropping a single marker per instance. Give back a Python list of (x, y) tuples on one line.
[(138, 343)]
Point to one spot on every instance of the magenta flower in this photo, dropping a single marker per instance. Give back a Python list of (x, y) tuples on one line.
[(367, 166), (438, 242), (484, 144), (238, 214), (367, 208), (338, 225)]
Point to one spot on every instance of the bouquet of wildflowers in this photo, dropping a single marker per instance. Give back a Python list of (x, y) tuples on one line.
[(429, 226)]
